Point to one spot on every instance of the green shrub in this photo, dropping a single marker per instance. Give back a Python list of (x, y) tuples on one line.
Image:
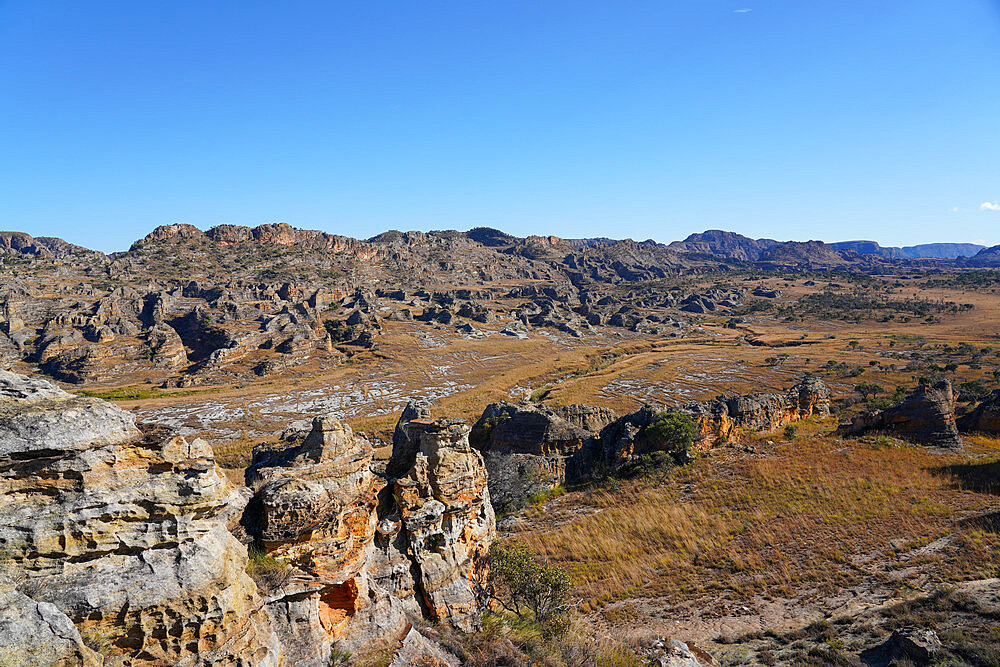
[(671, 432), (270, 574)]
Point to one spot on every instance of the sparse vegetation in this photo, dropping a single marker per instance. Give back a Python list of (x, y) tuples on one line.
[(271, 575)]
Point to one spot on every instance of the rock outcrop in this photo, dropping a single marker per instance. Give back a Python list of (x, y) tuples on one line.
[(37, 634), (719, 419), (119, 531), (445, 510), (366, 553), (984, 418), (926, 416), (314, 514), (528, 447)]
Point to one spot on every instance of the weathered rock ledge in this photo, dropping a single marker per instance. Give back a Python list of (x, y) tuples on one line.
[(926, 416)]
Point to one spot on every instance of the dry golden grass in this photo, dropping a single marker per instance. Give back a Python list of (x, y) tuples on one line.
[(815, 514)]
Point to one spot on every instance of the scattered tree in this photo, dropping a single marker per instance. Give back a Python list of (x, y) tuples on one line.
[(869, 390), (527, 588)]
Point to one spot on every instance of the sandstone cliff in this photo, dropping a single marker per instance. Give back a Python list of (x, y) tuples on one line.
[(527, 448), (984, 418), (117, 546), (530, 449), (718, 421)]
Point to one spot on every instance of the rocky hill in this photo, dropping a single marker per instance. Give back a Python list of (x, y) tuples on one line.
[(987, 257), (727, 245)]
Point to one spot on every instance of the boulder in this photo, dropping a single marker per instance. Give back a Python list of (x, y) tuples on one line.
[(527, 448), (921, 645), (679, 654), (418, 650)]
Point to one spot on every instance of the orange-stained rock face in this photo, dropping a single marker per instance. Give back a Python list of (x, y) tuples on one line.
[(718, 420), (361, 551), (447, 516)]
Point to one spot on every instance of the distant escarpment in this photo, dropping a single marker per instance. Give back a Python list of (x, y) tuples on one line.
[(122, 544), (986, 258), (922, 251), (184, 307), (926, 416)]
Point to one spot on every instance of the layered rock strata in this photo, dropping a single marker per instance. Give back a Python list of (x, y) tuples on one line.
[(984, 418), (529, 449), (114, 534)]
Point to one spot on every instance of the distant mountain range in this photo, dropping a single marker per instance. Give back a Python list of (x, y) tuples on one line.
[(923, 251), (742, 248)]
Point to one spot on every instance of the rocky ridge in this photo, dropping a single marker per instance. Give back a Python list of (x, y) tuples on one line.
[(530, 449)]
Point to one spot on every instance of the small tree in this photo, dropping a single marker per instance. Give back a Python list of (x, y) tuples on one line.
[(672, 432), (869, 390), (527, 588)]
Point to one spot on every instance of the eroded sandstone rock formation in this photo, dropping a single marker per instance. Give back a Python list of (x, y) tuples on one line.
[(527, 448), (718, 420), (984, 418), (531, 448), (926, 415), (368, 553), (118, 531), (117, 546)]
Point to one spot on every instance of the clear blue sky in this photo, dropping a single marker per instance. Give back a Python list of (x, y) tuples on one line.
[(796, 119)]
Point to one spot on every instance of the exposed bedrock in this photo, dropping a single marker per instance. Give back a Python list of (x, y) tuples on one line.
[(119, 531), (369, 554), (527, 447), (118, 542), (984, 418), (926, 416)]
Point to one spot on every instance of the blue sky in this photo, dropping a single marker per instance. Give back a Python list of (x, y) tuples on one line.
[(790, 119)]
